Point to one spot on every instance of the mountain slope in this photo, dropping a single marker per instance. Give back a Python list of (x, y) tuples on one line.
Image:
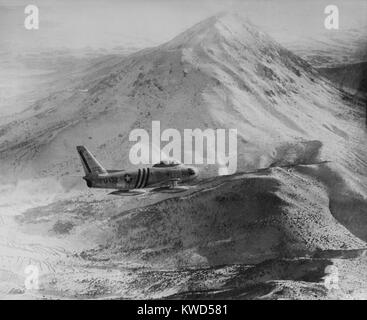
[(352, 77), (269, 234), (243, 219), (221, 73)]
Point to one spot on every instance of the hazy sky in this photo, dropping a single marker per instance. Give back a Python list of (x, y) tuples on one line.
[(106, 24)]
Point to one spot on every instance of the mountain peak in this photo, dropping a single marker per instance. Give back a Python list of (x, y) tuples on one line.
[(227, 25)]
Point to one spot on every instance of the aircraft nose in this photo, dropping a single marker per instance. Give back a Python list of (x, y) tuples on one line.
[(193, 172)]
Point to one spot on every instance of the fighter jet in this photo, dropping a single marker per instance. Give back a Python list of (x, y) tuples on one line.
[(163, 176)]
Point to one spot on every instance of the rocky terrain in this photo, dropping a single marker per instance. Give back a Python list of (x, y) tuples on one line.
[(291, 223), (274, 233), (350, 77), (221, 73)]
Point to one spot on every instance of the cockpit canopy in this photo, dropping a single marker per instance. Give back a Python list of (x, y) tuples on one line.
[(167, 163)]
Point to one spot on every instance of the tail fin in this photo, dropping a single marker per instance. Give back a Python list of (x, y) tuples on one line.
[(90, 163)]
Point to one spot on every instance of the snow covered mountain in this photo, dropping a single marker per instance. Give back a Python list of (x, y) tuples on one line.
[(302, 213), (221, 73)]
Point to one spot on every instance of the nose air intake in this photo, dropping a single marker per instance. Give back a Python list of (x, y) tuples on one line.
[(192, 172)]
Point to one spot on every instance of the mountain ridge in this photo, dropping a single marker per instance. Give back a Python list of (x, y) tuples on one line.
[(221, 73)]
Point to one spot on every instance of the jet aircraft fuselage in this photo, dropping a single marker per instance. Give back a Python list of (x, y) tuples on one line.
[(163, 173)]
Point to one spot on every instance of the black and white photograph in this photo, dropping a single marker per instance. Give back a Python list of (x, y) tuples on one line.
[(160, 150)]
